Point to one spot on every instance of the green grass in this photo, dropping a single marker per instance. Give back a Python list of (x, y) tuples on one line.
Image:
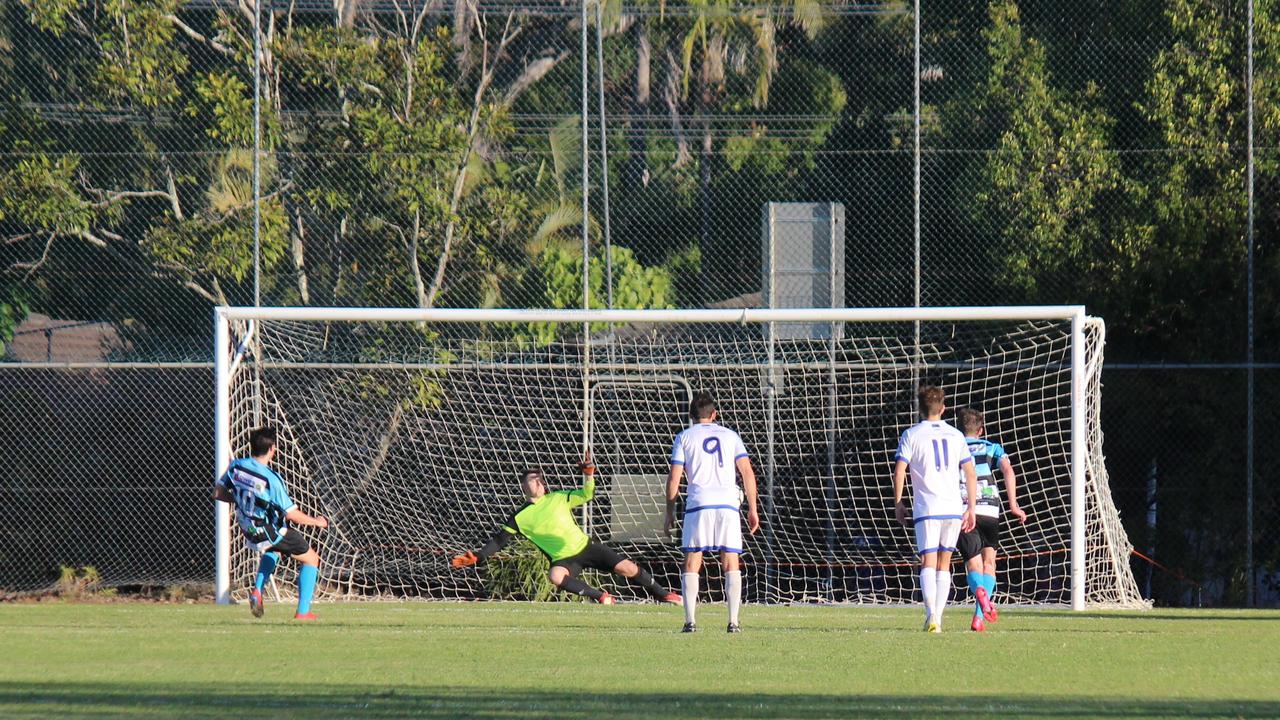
[(438, 660)]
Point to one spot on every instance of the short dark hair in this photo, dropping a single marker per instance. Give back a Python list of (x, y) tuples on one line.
[(932, 398), (532, 472), (969, 420), (262, 440), (701, 406)]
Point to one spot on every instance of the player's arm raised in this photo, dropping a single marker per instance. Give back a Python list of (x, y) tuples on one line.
[(584, 494), (1011, 489), (749, 488), (899, 484)]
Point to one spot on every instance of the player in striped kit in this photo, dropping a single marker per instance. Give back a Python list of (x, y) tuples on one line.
[(978, 546), (936, 454), (268, 520), (713, 456)]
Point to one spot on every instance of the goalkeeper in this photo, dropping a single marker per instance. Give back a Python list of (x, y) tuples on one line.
[(547, 521)]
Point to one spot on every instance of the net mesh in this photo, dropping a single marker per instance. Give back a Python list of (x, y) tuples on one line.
[(411, 436)]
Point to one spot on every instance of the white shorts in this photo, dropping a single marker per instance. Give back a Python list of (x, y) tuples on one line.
[(937, 534), (712, 528)]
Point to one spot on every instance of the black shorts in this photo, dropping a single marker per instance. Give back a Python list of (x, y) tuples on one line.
[(595, 555), (985, 534), (293, 543)]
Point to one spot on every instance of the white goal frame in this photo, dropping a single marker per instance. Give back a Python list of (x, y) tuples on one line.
[(226, 358)]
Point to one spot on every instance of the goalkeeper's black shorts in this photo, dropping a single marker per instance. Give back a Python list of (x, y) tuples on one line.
[(985, 533), (595, 555)]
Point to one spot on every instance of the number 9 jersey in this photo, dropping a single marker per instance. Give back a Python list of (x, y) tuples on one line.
[(709, 453)]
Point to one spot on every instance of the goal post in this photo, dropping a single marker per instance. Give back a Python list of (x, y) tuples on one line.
[(407, 426)]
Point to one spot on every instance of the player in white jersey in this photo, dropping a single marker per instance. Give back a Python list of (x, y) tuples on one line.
[(713, 456), (936, 454)]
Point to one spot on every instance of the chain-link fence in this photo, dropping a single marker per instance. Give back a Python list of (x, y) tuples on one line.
[(422, 153)]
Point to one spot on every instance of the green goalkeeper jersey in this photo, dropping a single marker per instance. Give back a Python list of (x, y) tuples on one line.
[(548, 522)]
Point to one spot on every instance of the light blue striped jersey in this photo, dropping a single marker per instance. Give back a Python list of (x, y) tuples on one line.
[(261, 501), (986, 460)]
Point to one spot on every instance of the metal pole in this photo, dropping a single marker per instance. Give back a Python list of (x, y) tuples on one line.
[(257, 151), (222, 455), (1078, 439), (915, 206), (1249, 242), (604, 156), (586, 261)]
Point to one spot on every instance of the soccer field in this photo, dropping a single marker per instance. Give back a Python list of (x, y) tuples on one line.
[(514, 660)]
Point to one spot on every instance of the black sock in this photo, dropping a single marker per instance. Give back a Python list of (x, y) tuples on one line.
[(577, 587), (646, 581)]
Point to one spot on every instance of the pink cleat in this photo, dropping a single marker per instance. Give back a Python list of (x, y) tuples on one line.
[(989, 612), (673, 598), (305, 617), (255, 603), (606, 599), (977, 625)]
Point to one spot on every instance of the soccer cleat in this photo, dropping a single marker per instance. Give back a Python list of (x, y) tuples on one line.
[(977, 625), (305, 617), (673, 598), (934, 625), (989, 612), (733, 628), (255, 603), (689, 627), (606, 599)]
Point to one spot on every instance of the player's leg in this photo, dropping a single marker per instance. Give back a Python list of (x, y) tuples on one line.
[(694, 536), (728, 539), (970, 547), (689, 588), (266, 567), (295, 545), (942, 584), (563, 574), (989, 528), (989, 583), (927, 534), (730, 561), (638, 575), (948, 534)]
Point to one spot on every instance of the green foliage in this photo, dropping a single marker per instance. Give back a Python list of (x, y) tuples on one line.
[(140, 61), (1053, 157), (40, 193), (53, 15), (559, 272), (519, 573), (78, 582), (13, 310)]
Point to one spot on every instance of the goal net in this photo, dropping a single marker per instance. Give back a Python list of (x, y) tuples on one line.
[(409, 428)]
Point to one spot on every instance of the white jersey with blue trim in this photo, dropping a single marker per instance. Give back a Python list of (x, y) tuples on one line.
[(934, 452), (709, 453)]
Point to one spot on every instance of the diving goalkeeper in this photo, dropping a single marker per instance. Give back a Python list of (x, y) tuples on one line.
[(547, 521)]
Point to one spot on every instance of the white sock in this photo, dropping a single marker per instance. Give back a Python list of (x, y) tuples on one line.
[(928, 588), (689, 589), (733, 593), (943, 591)]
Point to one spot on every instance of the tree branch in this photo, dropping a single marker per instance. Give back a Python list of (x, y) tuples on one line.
[(194, 35)]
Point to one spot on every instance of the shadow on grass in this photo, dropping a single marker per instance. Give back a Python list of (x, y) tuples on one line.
[(1201, 615), (98, 700)]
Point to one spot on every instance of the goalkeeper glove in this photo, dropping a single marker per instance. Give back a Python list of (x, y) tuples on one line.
[(466, 559), (586, 466)]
